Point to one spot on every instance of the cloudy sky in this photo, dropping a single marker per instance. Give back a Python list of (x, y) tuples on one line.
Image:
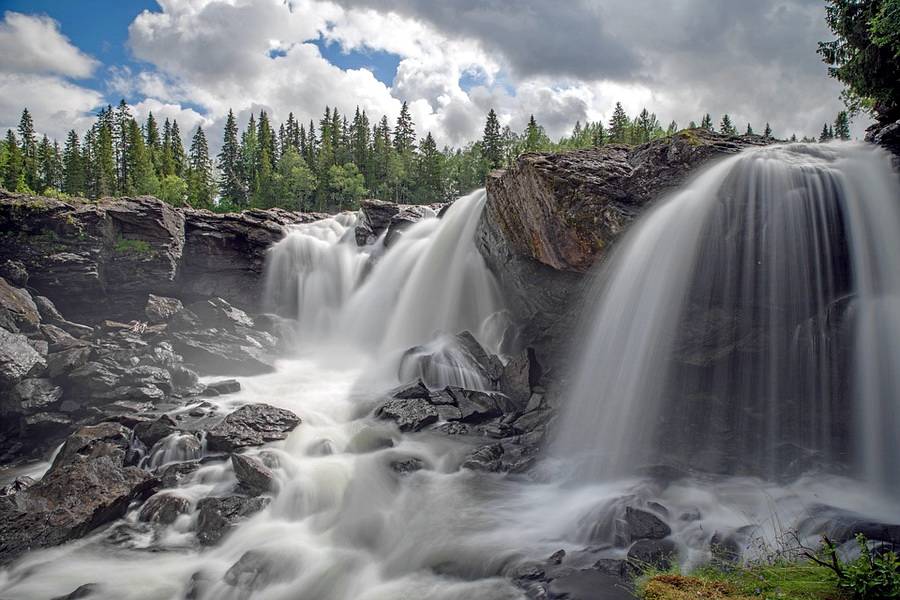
[(451, 60)]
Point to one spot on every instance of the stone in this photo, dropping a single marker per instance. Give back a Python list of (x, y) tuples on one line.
[(417, 389), (217, 352), (164, 508), (405, 217), (405, 466), (216, 516), (252, 474), (218, 313), (223, 387), (453, 354), (14, 272), (82, 591), (251, 425), (258, 569), (374, 219), (410, 414), (30, 395), (17, 485), (58, 339), (172, 475), (61, 363), (519, 376), (160, 309), (93, 441), (644, 525), (47, 310), (18, 359), (150, 432), (93, 378), (475, 406), (657, 554), (18, 311)]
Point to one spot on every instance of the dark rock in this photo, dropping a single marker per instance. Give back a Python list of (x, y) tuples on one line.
[(405, 466), (519, 376), (217, 352), (220, 388), (476, 407), (17, 485), (252, 474), (18, 359), (258, 569), (486, 458), (31, 395), (251, 425), (61, 363), (411, 390), (150, 432), (406, 216), (219, 314), (725, 549), (93, 378), (374, 219), (82, 591), (18, 311), (410, 414), (443, 360), (216, 516), (14, 272), (172, 475), (160, 309), (47, 310), (164, 508), (644, 525), (588, 584), (658, 554), (94, 441), (58, 339)]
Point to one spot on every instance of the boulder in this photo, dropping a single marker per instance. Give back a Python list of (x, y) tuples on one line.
[(459, 359), (251, 425), (18, 359), (66, 361), (17, 485), (219, 353), (150, 432), (222, 387), (258, 569), (216, 516), (93, 441), (252, 474), (519, 376), (31, 395), (410, 414), (656, 554), (406, 216), (160, 309), (58, 339), (81, 592), (644, 525), (217, 313), (18, 311), (14, 272), (374, 219), (164, 508)]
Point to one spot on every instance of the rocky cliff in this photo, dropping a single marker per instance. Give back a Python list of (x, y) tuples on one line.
[(112, 253), (550, 217)]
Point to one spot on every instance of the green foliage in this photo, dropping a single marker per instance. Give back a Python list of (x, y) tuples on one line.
[(872, 576), (134, 247), (864, 55), (173, 190)]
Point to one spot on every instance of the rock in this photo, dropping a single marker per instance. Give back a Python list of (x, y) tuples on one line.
[(58, 339), (220, 388), (160, 309), (588, 584), (252, 474), (172, 475), (31, 395), (449, 359), (82, 591), (519, 376), (476, 407), (411, 390), (18, 311), (17, 485), (658, 554), (258, 569), (725, 549), (217, 313), (251, 425), (532, 420), (410, 414), (150, 432), (93, 441), (47, 310), (218, 353), (216, 516), (18, 359), (164, 508), (405, 466), (93, 378), (367, 439), (374, 219), (644, 525), (14, 272), (487, 458), (406, 216), (61, 363)]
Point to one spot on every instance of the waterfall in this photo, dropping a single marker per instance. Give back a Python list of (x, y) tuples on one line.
[(721, 332)]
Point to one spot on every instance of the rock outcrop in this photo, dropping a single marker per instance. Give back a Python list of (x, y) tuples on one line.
[(550, 217)]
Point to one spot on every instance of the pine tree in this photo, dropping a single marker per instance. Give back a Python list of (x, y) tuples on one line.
[(29, 151), (535, 138), (141, 176), (404, 132), (179, 160), (825, 136), (49, 167), (842, 126), (706, 122), (749, 130), (491, 143), (360, 143), (430, 169), (768, 132), (200, 180), (167, 160), (618, 125), (672, 129), (250, 160), (644, 126), (120, 141), (73, 166), (105, 156), (13, 173), (726, 127), (153, 143), (598, 135), (230, 187)]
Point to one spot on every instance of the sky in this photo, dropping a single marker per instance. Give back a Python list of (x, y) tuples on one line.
[(451, 60)]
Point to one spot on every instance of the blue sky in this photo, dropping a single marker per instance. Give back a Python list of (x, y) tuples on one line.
[(452, 61)]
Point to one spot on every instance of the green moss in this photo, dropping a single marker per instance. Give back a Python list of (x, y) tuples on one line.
[(133, 247)]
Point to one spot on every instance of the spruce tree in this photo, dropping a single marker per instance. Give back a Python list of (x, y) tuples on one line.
[(105, 155), (230, 186), (179, 160), (13, 173), (749, 130), (726, 127), (153, 142), (404, 132), (706, 122), (598, 135), (618, 125), (430, 180), (29, 151), (141, 176), (120, 141), (200, 181), (842, 126), (672, 129), (491, 143), (73, 166), (768, 132), (167, 160), (250, 160)]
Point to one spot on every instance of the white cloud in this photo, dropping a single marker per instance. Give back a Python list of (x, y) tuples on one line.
[(34, 44), (55, 104)]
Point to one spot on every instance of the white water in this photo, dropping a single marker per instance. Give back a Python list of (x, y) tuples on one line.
[(344, 525), (754, 256)]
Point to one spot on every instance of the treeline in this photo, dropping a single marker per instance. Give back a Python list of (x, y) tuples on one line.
[(324, 166)]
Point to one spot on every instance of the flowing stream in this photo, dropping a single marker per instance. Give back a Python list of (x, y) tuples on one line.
[(344, 525)]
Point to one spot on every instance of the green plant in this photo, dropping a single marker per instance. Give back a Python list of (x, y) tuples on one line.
[(129, 246), (872, 576)]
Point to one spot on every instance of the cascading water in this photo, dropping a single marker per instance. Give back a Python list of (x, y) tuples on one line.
[(728, 321)]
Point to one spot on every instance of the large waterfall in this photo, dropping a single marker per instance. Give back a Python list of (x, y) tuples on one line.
[(749, 324)]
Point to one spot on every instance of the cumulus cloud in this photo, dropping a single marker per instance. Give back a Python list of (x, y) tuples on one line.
[(56, 105), (34, 44)]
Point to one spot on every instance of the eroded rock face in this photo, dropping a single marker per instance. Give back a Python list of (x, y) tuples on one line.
[(551, 217)]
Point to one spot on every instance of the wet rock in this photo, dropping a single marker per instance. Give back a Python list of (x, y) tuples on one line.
[(519, 376), (172, 475), (418, 389), (258, 569), (375, 217), (476, 407), (251, 425), (83, 591), (17, 485), (725, 549), (18, 359), (448, 357), (160, 309), (61, 363), (14, 272), (94, 378), (164, 508), (405, 466), (486, 458), (405, 217), (370, 439), (658, 554), (588, 584), (218, 313), (31, 395), (532, 420), (94, 441), (644, 525), (220, 388), (18, 311), (218, 352), (150, 432), (252, 474), (58, 339), (216, 516), (410, 414)]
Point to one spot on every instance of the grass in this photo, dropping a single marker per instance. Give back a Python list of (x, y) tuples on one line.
[(780, 581), (127, 246)]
